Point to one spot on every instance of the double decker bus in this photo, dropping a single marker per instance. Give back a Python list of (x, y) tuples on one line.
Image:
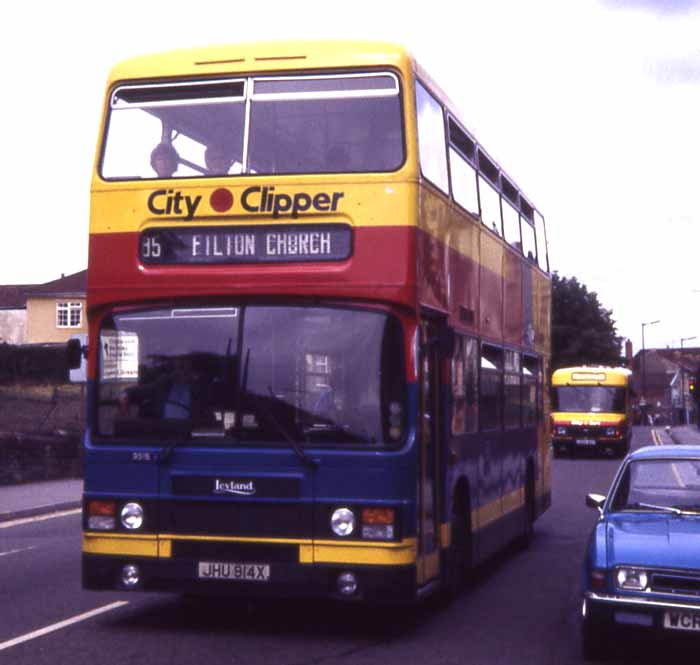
[(591, 410), (319, 314)]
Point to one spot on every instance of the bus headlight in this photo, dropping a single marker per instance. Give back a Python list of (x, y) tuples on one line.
[(132, 516), (343, 521)]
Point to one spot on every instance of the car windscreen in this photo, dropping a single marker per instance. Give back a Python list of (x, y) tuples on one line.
[(659, 485), (252, 374)]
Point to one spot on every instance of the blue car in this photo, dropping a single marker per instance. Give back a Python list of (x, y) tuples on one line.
[(642, 564)]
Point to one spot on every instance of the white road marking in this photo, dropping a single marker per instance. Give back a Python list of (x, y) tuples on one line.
[(61, 624), (39, 518), (24, 549)]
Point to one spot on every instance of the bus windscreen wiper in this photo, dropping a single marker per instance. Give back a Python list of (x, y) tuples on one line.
[(267, 413), (177, 428), (300, 452)]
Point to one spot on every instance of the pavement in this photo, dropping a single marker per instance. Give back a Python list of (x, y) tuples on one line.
[(686, 434), (39, 498)]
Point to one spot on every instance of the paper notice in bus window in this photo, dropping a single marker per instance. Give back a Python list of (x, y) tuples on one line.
[(119, 356)]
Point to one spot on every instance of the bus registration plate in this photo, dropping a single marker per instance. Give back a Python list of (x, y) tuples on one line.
[(220, 570), (585, 442)]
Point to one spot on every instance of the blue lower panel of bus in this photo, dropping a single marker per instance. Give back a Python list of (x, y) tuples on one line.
[(287, 579)]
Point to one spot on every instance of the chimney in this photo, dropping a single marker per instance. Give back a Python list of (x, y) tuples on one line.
[(628, 353)]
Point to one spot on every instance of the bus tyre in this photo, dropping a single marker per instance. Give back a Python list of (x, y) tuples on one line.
[(529, 508), (458, 559)]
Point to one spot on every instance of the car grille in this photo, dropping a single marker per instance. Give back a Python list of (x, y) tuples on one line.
[(687, 585)]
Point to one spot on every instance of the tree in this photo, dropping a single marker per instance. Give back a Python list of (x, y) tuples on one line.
[(583, 332)]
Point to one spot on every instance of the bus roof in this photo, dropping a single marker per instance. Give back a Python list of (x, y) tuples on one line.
[(262, 57), (591, 375)]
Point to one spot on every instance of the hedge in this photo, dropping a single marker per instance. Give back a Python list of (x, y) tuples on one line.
[(33, 364)]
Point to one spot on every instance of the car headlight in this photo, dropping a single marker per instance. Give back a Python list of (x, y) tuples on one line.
[(611, 431), (561, 431), (343, 521), (631, 578), (132, 516)]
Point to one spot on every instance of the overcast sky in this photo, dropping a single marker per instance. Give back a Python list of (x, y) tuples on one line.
[(592, 107)]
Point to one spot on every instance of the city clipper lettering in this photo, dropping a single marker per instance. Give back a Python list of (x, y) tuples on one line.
[(237, 487), (260, 200)]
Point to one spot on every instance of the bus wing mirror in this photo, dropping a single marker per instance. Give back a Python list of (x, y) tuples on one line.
[(74, 353)]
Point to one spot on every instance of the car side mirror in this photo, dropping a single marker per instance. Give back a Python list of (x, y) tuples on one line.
[(595, 501)]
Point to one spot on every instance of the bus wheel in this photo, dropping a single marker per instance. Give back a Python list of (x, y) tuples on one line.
[(529, 507)]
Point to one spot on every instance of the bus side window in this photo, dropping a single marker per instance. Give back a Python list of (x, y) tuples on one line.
[(491, 387)]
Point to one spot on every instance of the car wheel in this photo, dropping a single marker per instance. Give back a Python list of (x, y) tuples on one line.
[(595, 641)]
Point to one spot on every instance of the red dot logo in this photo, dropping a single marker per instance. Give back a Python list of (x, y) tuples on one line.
[(221, 200)]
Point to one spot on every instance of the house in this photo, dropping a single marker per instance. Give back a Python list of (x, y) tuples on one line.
[(661, 379), (13, 313), (56, 310)]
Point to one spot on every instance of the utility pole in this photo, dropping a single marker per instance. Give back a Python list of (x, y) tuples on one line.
[(644, 366)]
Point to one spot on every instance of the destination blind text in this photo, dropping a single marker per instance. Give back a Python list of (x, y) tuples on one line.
[(330, 242)]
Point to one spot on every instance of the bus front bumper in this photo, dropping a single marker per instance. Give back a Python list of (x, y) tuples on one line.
[(581, 443), (277, 579)]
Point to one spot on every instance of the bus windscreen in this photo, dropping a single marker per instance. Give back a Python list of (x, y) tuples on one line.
[(589, 399), (253, 374)]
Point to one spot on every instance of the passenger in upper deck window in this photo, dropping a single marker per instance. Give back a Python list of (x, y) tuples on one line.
[(164, 160), (218, 163)]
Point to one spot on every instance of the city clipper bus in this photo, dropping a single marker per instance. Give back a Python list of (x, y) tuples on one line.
[(319, 324), (591, 410)]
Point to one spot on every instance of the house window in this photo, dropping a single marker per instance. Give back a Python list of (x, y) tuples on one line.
[(69, 314)]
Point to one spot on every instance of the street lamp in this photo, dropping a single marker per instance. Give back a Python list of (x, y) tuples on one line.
[(685, 413), (644, 361)]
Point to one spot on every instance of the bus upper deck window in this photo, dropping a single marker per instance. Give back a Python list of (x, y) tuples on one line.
[(165, 130)]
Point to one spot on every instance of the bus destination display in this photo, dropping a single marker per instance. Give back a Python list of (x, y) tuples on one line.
[(250, 244)]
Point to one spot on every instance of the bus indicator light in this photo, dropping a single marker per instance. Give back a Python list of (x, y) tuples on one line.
[(221, 200), (378, 516)]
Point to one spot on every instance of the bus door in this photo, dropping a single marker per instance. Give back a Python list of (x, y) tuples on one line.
[(428, 561), (491, 451)]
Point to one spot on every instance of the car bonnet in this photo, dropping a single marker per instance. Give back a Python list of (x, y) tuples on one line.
[(659, 540)]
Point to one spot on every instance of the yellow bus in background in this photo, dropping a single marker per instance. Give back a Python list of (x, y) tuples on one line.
[(591, 409)]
